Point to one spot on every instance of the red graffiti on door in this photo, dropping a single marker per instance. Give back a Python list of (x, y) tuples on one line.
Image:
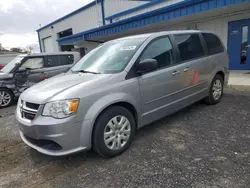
[(196, 77)]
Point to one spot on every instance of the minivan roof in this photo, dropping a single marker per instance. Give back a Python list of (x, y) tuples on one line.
[(55, 53), (163, 33)]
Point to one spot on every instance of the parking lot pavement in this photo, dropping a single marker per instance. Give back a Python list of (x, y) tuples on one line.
[(200, 146), (7, 111)]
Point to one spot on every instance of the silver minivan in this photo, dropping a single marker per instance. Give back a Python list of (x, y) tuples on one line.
[(119, 87)]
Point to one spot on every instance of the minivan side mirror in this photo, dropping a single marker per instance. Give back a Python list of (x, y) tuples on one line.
[(147, 65)]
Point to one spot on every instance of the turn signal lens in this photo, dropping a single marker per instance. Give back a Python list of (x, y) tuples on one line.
[(74, 105)]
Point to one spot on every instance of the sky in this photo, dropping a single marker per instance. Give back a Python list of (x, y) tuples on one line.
[(19, 19)]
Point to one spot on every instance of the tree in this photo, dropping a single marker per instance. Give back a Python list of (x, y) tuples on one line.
[(18, 50), (2, 49)]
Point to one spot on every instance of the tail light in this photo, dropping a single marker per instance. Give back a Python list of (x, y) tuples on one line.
[(1, 66)]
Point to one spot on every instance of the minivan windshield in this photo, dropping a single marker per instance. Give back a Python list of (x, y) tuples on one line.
[(111, 57), (12, 64)]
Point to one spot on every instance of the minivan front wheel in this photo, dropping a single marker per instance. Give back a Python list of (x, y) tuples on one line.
[(6, 98), (215, 90), (114, 131)]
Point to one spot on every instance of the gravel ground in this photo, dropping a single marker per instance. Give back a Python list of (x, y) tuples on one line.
[(200, 146)]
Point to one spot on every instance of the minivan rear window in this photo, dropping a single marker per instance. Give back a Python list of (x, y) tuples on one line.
[(189, 46), (213, 43)]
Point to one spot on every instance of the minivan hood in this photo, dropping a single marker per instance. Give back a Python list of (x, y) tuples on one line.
[(47, 89), (4, 75)]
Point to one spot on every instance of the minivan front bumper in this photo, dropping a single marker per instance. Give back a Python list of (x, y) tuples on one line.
[(50, 136)]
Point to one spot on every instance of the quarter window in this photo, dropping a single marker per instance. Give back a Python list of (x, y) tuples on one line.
[(213, 43), (160, 50), (189, 46)]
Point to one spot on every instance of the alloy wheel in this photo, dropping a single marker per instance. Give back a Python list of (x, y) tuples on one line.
[(5, 98), (217, 89), (117, 132)]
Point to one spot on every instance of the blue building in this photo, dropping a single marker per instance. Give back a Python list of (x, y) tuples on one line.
[(103, 20)]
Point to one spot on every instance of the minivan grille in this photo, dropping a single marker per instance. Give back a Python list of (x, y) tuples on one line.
[(32, 105), (28, 110)]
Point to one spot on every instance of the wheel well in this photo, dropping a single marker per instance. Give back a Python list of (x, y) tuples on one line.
[(126, 105), (8, 90), (221, 74), (129, 107)]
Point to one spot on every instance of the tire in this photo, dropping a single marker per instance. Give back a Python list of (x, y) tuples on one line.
[(106, 124), (211, 99), (6, 98)]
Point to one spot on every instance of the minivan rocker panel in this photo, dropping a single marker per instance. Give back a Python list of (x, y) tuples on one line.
[(119, 87)]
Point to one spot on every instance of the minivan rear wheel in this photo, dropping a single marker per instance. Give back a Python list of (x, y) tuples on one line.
[(114, 131), (6, 98), (215, 90)]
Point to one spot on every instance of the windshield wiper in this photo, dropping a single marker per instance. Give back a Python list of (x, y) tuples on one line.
[(91, 72)]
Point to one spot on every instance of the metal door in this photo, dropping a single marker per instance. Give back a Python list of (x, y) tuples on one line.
[(239, 44), (160, 92)]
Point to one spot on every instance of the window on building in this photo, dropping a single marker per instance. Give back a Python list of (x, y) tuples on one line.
[(189, 46), (244, 42), (53, 61), (65, 33), (213, 43), (66, 59), (160, 50), (67, 48)]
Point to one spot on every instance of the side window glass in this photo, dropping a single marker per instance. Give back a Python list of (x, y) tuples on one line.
[(66, 59), (160, 50), (213, 43), (53, 61), (189, 46), (33, 63)]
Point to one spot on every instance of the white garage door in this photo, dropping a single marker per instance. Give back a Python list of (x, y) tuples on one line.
[(47, 44)]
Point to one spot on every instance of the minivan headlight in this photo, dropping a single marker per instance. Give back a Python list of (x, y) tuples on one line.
[(61, 109)]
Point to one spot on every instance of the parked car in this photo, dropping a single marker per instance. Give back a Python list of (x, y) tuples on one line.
[(6, 57), (24, 71), (119, 87), (1, 66)]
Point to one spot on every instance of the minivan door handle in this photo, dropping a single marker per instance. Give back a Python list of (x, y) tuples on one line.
[(175, 72), (186, 69)]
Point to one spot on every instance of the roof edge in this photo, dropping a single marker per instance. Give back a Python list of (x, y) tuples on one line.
[(145, 14), (134, 9), (175, 11), (71, 14)]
